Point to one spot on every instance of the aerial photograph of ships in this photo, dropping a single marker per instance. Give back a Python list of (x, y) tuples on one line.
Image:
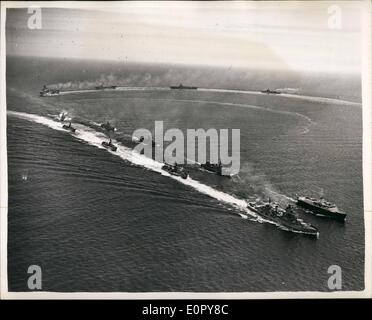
[(97, 215)]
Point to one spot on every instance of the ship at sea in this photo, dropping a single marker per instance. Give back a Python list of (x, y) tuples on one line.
[(46, 92), (175, 170), (213, 167), (182, 87), (109, 145), (285, 218), (321, 207), (216, 168), (102, 87), (268, 91), (108, 127)]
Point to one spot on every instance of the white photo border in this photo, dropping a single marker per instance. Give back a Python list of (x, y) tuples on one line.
[(367, 174)]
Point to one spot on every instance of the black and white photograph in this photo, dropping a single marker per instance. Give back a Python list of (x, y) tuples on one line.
[(185, 149)]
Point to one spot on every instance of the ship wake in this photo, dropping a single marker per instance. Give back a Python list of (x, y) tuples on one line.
[(94, 138)]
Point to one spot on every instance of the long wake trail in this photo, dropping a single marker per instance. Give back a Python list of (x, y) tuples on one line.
[(251, 92), (94, 138)]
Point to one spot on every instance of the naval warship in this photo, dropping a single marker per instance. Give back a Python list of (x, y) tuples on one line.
[(175, 170), (321, 207), (46, 92), (181, 87), (212, 167), (102, 87), (108, 127), (268, 91), (285, 218)]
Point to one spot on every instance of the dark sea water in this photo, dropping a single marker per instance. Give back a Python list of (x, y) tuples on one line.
[(98, 221)]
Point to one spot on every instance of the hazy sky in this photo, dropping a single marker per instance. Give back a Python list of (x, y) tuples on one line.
[(284, 35)]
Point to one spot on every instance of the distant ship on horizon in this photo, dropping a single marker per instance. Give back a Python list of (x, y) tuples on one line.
[(181, 86), (102, 87), (47, 92), (268, 91)]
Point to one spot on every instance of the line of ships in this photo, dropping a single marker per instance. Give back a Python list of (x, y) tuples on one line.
[(47, 92), (270, 211)]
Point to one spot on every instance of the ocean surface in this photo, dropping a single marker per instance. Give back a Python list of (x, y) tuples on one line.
[(95, 220)]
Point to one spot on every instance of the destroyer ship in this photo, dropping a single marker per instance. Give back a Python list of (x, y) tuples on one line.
[(175, 170), (46, 92), (321, 207), (216, 168), (213, 167), (285, 218), (182, 87)]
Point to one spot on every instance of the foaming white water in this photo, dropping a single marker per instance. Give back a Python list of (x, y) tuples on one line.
[(141, 88), (77, 91), (38, 119), (322, 99), (283, 196), (58, 117), (94, 138), (96, 123), (289, 90), (113, 89)]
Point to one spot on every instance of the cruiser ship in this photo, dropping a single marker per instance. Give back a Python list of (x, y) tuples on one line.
[(320, 207), (285, 218)]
